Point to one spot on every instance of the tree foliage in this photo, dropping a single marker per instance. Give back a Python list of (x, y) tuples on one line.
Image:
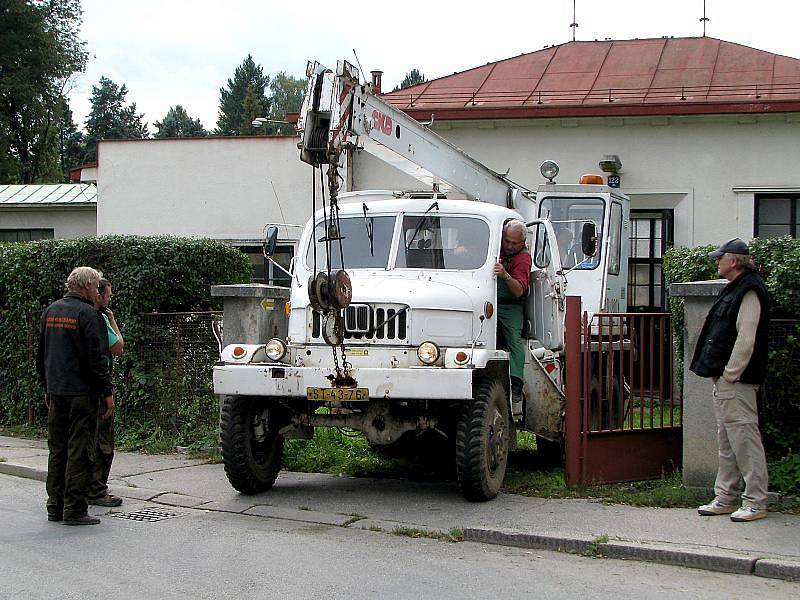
[(110, 117), (285, 96), (177, 123), (413, 77), (248, 77), (39, 51)]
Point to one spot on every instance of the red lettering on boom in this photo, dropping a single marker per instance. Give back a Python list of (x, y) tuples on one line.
[(382, 122)]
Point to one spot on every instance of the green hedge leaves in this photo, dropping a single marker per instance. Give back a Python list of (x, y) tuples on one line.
[(148, 274)]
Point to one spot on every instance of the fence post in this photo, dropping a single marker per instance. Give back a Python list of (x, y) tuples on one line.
[(572, 418)]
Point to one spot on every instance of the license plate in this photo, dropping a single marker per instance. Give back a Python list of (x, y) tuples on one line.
[(337, 394)]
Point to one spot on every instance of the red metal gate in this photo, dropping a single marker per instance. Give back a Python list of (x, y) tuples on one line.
[(623, 419)]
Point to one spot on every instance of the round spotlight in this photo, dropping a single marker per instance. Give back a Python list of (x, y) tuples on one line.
[(428, 353), (461, 357), (239, 352), (275, 349), (549, 170)]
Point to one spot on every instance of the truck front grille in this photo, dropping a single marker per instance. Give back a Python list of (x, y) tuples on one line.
[(365, 322)]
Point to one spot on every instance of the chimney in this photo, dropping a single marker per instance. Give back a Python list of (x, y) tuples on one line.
[(376, 81)]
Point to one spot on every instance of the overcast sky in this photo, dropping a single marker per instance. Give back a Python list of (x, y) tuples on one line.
[(182, 51)]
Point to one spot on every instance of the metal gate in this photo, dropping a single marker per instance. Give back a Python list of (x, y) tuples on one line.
[(623, 423)]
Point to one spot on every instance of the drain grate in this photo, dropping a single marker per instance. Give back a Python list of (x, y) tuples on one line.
[(147, 515)]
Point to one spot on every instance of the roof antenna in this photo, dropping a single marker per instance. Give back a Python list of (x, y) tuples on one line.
[(704, 18), (574, 23)]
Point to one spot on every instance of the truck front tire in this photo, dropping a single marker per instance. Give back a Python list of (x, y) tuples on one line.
[(482, 439), (252, 450)]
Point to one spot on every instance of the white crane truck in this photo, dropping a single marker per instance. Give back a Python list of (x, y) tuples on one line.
[(393, 307)]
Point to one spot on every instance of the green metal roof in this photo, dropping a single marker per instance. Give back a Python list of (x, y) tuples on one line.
[(64, 193)]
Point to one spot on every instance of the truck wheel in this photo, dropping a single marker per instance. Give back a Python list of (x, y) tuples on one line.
[(482, 438), (251, 448)]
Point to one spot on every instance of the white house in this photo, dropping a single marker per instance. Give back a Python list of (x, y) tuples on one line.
[(39, 212), (708, 133)]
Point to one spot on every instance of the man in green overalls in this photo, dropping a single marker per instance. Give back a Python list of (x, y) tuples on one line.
[(104, 451), (513, 272)]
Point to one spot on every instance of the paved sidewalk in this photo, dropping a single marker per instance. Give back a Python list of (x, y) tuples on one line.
[(768, 548)]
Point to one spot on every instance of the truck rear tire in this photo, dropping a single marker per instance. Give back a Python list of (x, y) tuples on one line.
[(252, 450), (482, 438)]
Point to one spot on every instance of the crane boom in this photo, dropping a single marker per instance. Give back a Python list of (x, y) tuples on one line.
[(339, 113)]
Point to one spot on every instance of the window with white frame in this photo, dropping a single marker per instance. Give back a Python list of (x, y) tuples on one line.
[(777, 215)]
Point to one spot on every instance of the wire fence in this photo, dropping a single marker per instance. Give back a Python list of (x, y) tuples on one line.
[(178, 352), (780, 398)]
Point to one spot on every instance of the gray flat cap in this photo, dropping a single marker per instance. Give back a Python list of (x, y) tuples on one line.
[(734, 246)]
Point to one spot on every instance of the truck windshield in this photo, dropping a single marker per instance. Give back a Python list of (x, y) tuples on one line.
[(359, 251), (568, 216), (433, 242)]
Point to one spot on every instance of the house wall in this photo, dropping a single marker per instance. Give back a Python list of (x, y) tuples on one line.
[(66, 222), (212, 187), (707, 169)]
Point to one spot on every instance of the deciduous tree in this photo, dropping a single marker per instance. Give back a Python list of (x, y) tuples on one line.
[(39, 51)]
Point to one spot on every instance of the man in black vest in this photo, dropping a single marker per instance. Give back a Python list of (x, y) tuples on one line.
[(732, 350)]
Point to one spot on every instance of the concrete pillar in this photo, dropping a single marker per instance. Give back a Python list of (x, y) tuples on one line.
[(699, 424), (252, 312)]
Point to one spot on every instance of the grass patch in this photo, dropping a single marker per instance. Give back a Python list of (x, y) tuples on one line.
[(333, 452), (454, 535), (27, 432), (594, 547), (353, 519)]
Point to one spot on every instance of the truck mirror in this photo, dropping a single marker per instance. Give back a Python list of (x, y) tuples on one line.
[(589, 239), (270, 240)]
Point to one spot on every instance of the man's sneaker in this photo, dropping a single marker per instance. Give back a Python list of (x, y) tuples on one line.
[(81, 520), (109, 501), (748, 513), (715, 507)]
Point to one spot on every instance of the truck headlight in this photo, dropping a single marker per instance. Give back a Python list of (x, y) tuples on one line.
[(428, 353), (275, 349)]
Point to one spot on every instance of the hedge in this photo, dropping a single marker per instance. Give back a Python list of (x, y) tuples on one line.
[(778, 262), (148, 274)]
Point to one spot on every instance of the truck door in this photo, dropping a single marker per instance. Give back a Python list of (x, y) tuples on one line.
[(545, 305)]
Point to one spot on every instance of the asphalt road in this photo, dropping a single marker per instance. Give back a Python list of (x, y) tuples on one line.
[(201, 554)]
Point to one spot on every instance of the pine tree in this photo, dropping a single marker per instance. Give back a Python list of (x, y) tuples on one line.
[(232, 119), (110, 118), (178, 123), (413, 77)]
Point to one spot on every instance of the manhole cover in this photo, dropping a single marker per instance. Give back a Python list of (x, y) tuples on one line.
[(147, 515)]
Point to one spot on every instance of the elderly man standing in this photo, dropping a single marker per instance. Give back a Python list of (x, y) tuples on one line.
[(732, 350), (72, 361), (513, 272)]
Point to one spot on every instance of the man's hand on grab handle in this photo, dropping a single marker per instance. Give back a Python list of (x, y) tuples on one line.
[(109, 408)]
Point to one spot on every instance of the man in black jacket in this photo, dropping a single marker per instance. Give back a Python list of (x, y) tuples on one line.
[(732, 350), (72, 361)]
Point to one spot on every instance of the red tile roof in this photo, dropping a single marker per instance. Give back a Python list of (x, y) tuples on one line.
[(662, 76)]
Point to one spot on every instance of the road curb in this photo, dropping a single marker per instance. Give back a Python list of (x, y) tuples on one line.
[(22, 471), (695, 559)]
